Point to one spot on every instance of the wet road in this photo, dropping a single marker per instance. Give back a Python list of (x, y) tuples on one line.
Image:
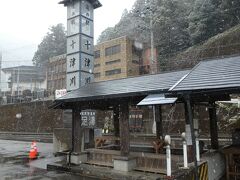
[(14, 162)]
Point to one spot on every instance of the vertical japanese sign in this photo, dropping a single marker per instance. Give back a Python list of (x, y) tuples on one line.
[(79, 44), (88, 118)]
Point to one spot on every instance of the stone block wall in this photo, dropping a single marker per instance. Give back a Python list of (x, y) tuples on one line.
[(36, 117)]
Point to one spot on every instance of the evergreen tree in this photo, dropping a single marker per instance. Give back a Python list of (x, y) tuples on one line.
[(106, 35), (171, 27), (53, 44), (230, 12), (204, 21)]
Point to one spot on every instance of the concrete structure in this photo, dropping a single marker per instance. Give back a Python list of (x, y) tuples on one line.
[(80, 23), (124, 164), (117, 58), (56, 73), (35, 117)]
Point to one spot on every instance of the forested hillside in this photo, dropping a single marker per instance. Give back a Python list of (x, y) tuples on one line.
[(177, 24), (222, 45)]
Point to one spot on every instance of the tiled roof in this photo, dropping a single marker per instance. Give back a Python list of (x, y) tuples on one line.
[(142, 85), (212, 74)]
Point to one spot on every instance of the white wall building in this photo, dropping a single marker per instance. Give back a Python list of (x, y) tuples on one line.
[(22, 78)]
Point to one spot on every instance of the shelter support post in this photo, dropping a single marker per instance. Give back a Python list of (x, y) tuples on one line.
[(189, 107), (124, 129), (188, 134), (91, 138), (78, 133), (124, 162), (158, 119), (77, 156), (116, 121), (213, 125)]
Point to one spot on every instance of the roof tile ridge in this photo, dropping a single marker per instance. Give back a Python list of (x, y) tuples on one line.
[(184, 77)]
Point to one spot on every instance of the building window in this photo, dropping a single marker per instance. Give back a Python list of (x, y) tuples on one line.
[(116, 49), (96, 65), (113, 50), (113, 62), (135, 61), (97, 75), (112, 72), (97, 54)]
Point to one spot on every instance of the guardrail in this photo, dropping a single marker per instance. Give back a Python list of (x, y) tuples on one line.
[(27, 136)]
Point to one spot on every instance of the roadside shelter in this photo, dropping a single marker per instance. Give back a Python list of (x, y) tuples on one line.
[(208, 82)]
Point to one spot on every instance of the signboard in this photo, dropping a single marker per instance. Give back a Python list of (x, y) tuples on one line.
[(73, 26), (87, 27), (73, 81), (59, 93), (87, 10), (73, 62), (77, 79), (80, 58), (87, 44), (73, 44), (73, 9), (88, 118), (87, 63)]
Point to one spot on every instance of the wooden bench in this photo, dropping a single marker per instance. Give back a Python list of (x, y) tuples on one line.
[(100, 141), (158, 145)]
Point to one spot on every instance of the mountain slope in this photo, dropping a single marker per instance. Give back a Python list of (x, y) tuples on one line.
[(224, 44)]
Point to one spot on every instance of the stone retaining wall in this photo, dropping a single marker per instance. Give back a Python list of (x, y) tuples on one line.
[(36, 117)]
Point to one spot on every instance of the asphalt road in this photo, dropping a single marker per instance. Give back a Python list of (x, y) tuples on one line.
[(14, 162)]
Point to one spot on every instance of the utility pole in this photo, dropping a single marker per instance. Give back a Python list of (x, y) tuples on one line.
[(153, 62), (0, 74), (18, 82), (152, 49)]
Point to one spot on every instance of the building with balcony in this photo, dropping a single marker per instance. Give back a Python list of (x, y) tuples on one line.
[(117, 58), (24, 83)]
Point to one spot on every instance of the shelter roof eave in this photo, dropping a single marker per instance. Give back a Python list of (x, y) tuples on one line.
[(111, 99), (96, 4), (123, 88)]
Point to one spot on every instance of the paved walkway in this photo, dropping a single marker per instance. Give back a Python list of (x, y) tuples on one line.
[(14, 162)]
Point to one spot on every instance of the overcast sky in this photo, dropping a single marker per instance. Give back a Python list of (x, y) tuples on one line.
[(25, 22)]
